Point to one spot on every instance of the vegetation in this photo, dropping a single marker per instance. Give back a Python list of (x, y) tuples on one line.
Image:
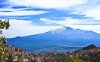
[(3, 49), (78, 60), (89, 53)]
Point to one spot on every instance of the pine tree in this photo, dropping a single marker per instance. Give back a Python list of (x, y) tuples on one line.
[(3, 49)]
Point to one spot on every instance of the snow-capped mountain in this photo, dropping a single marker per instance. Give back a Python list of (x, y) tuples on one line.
[(64, 36)]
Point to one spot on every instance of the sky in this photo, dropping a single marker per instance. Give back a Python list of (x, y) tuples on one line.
[(29, 17)]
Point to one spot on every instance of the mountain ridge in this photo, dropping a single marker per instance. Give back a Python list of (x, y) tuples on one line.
[(63, 36), (58, 29)]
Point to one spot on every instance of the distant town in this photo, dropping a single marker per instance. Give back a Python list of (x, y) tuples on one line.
[(88, 53)]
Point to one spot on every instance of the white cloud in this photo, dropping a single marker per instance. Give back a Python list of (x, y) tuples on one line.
[(25, 28), (9, 9), (95, 13), (95, 28), (70, 22), (58, 4), (67, 21), (21, 13), (91, 11)]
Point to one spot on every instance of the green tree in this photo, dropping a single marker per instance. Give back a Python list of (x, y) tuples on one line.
[(3, 49), (76, 60)]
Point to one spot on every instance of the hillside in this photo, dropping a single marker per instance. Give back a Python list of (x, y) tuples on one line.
[(56, 39)]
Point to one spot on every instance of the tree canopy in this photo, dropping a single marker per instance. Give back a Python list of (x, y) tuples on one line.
[(3, 49)]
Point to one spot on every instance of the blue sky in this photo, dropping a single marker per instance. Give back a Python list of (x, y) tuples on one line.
[(28, 17)]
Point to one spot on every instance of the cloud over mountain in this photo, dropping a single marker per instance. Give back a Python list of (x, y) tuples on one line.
[(83, 14)]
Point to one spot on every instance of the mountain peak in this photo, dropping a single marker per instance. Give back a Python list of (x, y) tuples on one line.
[(63, 28), (66, 28), (18, 37)]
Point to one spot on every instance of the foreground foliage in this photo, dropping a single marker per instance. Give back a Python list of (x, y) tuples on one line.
[(3, 49), (78, 60)]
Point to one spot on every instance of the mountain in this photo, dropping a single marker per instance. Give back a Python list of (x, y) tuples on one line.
[(58, 39)]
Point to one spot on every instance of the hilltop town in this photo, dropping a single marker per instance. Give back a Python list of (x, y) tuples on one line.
[(90, 53)]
